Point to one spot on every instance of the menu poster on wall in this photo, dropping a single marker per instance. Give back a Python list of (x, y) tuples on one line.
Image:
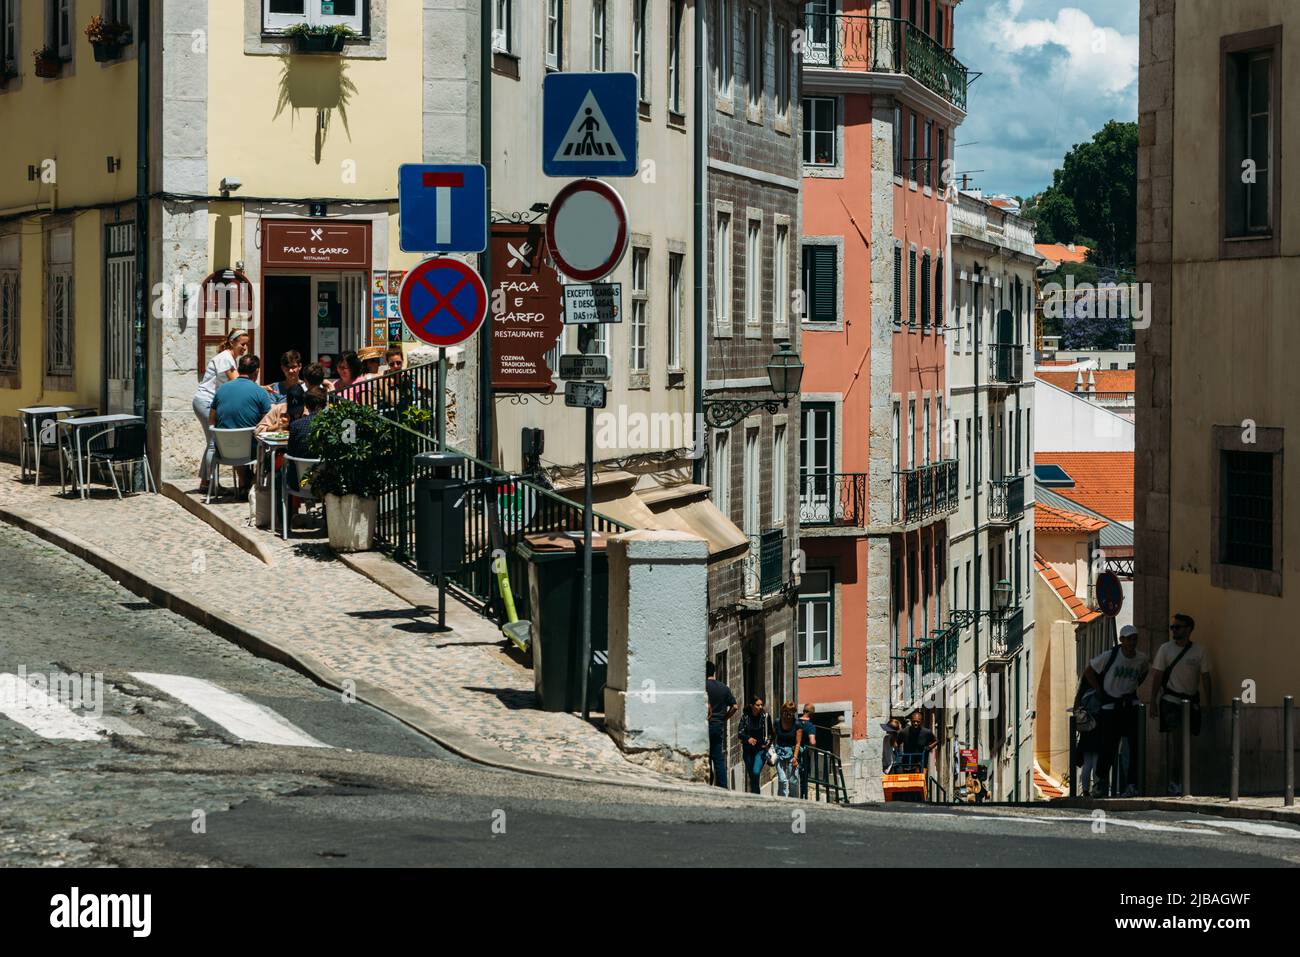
[(525, 281)]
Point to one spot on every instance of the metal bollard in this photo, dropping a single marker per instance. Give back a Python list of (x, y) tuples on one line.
[(1288, 742), (1074, 772), (1234, 787), (1187, 747), (1138, 764)]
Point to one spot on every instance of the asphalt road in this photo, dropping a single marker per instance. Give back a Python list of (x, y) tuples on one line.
[(170, 782)]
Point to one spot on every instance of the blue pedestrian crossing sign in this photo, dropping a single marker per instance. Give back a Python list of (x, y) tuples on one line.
[(443, 207), (589, 124)]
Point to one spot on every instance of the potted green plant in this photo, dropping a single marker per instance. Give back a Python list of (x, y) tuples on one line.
[(357, 451), (48, 62), (308, 38), (107, 37)]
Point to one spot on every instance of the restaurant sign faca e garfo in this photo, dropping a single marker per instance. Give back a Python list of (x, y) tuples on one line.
[(527, 308)]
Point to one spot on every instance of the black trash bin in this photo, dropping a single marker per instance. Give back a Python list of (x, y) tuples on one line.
[(555, 607), (439, 513)]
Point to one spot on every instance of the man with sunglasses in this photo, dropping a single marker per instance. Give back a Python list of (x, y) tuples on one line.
[(1180, 672)]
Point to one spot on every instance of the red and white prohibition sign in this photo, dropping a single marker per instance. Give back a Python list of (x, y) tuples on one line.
[(443, 301), (586, 229)]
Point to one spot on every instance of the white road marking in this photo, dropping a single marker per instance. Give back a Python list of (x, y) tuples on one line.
[(1257, 828), (241, 717), (43, 714)]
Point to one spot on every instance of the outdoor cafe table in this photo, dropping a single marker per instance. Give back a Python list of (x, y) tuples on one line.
[(33, 419), (79, 424), (268, 443)]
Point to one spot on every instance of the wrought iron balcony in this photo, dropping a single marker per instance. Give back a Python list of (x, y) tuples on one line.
[(884, 45), (833, 498), (1007, 634), (1006, 499), (765, 564), (1006, 363), (925, 492)]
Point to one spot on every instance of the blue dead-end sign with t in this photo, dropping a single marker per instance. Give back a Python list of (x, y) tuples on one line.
[(443, 207), (443, 301), (589, 124)]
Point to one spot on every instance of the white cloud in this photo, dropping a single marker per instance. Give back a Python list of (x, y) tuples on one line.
[(1099, 59)]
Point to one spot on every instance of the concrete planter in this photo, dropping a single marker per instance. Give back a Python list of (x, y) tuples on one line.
[(351, 521)]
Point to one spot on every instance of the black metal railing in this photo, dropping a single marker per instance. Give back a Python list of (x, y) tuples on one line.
[(1006, 363), (925, 492), (1006, 498), (884, 45), (825, 776), (1007, 634), (832, 498), (521, 508), (408, 396)]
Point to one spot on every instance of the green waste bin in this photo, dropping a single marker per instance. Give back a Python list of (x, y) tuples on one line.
[(555, 608)]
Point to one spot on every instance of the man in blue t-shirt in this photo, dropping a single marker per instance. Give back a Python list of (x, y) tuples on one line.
[(722, 706), (809, 741), (240, 404)]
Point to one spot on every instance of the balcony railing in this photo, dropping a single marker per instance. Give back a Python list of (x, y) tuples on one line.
[(884, 45), (1006, 499), (925, 492), (1008, 634), (1006, 363), (765, 564), (832, 498)]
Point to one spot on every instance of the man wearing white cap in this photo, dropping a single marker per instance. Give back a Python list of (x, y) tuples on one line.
[(1116, 675)]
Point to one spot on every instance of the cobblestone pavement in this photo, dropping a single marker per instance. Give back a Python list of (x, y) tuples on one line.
[(312, 601)]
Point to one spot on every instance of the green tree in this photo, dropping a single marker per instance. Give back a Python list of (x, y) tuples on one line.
[(1094, 194)]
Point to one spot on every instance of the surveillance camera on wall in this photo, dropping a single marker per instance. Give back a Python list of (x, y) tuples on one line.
[(230, 183)]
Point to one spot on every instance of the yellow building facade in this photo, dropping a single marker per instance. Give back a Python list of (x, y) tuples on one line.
[(271, 170)]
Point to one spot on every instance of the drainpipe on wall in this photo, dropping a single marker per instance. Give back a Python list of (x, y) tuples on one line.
[(141, 397), (701, 132), (978, 323), (485, 409)]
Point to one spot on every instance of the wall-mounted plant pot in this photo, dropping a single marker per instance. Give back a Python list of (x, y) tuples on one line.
[(49, 68), (328, 43), (107, 51)]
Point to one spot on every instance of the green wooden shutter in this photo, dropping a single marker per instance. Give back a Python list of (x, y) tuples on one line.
[(898, 285), (823, 283), (925, 291)]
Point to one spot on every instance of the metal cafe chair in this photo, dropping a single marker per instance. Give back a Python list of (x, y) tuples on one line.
[(295, 470), (126, 448), (234, 448)]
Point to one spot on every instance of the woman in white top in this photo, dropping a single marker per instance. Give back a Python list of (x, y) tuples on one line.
[(221, 369)]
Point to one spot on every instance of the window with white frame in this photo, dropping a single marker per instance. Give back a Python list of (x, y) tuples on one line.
[(784, 70), (721, 471), (117, 11), (676, 304), (555, 34), (925, 430), (676, 12), (58, 28), (754, 55), (59, 307), (818, 131), (816, 618), (779, 488), (10, 269), (280, 15), (503, 26), (598, 35), (781, 277), (722, 272), (641, 49), (911, 434), (753, 273), (640, 308), (722, 60)]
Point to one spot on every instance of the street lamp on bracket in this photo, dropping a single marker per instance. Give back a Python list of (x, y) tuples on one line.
[(962, 617), (784, 374)]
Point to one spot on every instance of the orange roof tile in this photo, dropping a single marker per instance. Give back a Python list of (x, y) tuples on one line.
[(1049, 788), (1061, 253), (1103, 481), (1056, 362), (1049, 519), (1078, 608), (1107, 380)]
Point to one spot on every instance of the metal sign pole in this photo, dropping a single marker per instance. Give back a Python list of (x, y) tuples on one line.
[(440, 413), (586, 561)]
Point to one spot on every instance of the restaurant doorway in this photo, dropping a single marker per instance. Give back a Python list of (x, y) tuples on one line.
[(318, 315)]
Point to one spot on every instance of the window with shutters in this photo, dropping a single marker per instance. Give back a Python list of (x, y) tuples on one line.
[(10, 271), (911, 147), (929, 156), (753, 273), (722, 275), (925, 292), (911, 288), (819, 131), (943, 173), (821, 283), (781, 279), (898, 141), (940, 320), (898, 286)]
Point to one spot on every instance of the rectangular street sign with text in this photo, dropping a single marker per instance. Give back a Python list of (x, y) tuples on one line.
[(584, 367), (594, 302), (584, 395)]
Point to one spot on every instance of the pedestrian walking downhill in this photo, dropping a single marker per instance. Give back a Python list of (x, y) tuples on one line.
[(722, 707), (788, 737), (755, 735)]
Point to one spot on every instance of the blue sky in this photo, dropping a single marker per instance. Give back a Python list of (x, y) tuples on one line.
[(1054, 72)]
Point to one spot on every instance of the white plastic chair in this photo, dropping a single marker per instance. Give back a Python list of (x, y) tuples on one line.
[(234, 448), (293, 487)]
